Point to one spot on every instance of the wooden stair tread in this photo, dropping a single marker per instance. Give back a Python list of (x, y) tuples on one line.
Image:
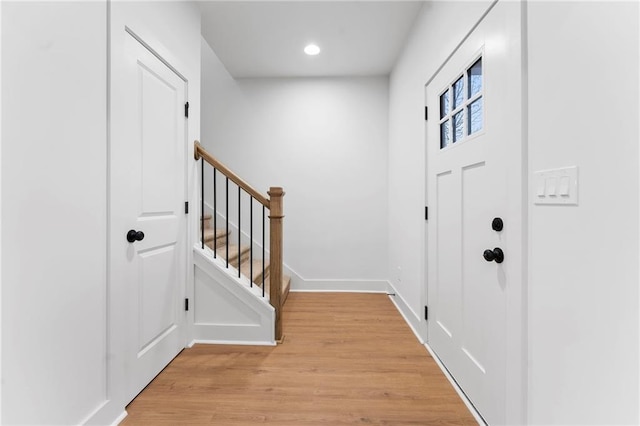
[(286, 286), (209, 234), (245, 269), (221, 253)]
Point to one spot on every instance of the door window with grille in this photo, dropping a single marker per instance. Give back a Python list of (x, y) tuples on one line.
[(461, 106)]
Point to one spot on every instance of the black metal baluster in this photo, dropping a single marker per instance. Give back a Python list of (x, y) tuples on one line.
[(227, 217), (239, 233), (202, 201), (263, 209), (250, 241), (215, 213)]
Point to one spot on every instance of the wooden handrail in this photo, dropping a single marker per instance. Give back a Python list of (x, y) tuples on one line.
[(200, 152)]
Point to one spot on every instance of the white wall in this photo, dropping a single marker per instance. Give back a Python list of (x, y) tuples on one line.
[(324, 142), (53, 211), (583, 289)]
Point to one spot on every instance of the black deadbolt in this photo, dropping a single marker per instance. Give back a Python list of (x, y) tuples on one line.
[(134, 235), (496, 255), (497, 224)]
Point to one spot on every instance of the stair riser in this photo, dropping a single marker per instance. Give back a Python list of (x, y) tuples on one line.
[(243, 259), (221, 252), (258, 275), (258, 279), (207, 222), (285, 287), (220, 242), (218, 245)]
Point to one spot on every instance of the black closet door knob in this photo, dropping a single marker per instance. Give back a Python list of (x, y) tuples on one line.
[(497, 224), (134, 235), (496, 255)]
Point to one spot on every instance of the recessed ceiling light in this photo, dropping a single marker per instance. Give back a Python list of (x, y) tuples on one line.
[(312, 50)]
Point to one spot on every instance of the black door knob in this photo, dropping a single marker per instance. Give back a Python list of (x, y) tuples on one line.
[(496, 254), (134, 235), (497, 224)]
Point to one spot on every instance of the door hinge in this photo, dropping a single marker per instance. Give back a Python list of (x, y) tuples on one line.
[(426, 213), (426, 312), (186, 109), (426, 113), (186, 207), (186, 304)]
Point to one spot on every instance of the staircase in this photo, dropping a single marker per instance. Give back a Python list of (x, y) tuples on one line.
[(246, 315), (217, 239)]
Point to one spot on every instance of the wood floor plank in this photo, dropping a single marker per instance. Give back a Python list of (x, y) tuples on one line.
[(347, 358)]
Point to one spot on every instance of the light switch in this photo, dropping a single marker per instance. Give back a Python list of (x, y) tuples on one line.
[(563, 187), (540, 192), (552, 183), (556, 186)]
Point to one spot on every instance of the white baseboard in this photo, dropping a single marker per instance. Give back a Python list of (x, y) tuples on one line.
[(119, 419), (108, 413), (347, 286), (407, 313), (232, 342), (235, 334)]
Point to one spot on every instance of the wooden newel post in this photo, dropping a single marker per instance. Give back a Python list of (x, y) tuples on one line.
[(276, 215)]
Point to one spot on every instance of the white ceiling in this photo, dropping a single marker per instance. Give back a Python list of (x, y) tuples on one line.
[(266, 39)]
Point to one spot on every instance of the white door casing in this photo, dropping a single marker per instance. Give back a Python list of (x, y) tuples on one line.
[(148, 191), (469, 183)]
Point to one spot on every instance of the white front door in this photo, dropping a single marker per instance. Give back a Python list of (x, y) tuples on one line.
[(148, 145), (473, 137)]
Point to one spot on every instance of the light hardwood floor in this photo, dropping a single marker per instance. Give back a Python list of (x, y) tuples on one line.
[(346, 359)]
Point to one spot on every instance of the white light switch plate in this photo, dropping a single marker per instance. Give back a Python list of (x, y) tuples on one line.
[(556, 186)]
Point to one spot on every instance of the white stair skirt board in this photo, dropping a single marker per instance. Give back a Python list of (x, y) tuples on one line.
[(226, 309), (412, 321)]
